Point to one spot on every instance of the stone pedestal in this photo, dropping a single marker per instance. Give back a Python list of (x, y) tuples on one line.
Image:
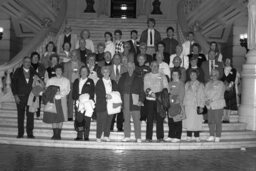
[(247, 109)]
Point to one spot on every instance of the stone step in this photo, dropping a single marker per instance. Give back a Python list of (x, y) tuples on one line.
[(117, 145), (71, 133), (234, 118), (12, 121)]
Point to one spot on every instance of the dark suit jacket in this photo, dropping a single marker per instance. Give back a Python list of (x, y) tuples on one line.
[(136, 88), (170, 45), (144, 37), (101, 103), (88, 88), (205, 67), (113, 76), (19, 84), (134, 49), (166, 57)]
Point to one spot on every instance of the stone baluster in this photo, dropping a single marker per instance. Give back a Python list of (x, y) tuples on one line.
[(247, 109), (8, 81), (1, 83)]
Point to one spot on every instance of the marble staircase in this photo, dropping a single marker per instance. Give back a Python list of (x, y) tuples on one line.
[(234, 135)]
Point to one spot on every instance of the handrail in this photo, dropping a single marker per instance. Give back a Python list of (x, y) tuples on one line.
[(45, 32), (182, 19)]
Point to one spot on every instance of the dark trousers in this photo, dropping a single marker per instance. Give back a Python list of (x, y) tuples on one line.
[(143, 113), (175, 128), (119, 121), (39, 109), (87, 128), (21, 107), (103, 124), (196, 133), (151, 115)]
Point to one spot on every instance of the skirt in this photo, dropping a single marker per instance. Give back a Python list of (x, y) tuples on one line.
[(55, 117)]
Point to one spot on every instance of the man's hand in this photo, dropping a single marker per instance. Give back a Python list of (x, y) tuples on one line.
[(17, 99)]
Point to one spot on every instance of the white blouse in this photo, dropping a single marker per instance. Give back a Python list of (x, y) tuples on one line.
[(62, 82)]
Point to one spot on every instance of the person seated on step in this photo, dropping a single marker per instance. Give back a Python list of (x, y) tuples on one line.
[(154, 82), (103, 89), (130, 86), (81, 86), (215, 102), (55, 100)]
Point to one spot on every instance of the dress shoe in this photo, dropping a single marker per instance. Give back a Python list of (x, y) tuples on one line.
[(31, 136), (78, 139), (175, 140), (120, 130), (210, 139), (205, 121), (98, 140), (148, 140), (19, 136), (125, 139), (225, 121), (138, 140), (160, 140), (70, 119), (86, 139)]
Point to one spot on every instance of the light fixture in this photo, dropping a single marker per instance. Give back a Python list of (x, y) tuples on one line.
[(123, 17), (243, 41), (123, 7), (1, 32)]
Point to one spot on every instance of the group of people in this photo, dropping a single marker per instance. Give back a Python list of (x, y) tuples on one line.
[(146, 80)]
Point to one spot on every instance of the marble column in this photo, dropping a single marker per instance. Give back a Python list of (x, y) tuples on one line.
[(247, 109)]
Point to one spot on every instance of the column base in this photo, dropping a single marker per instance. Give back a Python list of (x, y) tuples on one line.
[(247, 115)]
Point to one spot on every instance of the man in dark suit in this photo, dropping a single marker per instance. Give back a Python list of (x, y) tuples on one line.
[(116, 70), (150, 36), (22, 81), (208, 66), (134, 43)]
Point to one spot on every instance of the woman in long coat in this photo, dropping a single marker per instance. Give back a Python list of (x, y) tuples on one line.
[(194, 97)]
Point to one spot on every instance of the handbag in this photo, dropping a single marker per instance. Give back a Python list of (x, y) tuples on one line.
[(205, 110), (181, 116), (175, 108), (50, 107)]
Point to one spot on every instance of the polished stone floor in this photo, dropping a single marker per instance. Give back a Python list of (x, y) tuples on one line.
[(41, 158)]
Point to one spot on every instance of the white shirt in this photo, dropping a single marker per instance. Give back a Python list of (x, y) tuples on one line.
[(153, 37), (108, 85), (211, 63), (118, 67), (81, 84), (219, 57), (62, 82), (26, 70), (164, 69), (184, 61), (110, 46), (186, 47)]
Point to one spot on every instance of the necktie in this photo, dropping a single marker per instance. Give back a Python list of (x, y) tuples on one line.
[(212, 66), (151, 37)]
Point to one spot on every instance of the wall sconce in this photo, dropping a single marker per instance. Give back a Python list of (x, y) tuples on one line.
[(1, 32), (123, 7), (243, 41)]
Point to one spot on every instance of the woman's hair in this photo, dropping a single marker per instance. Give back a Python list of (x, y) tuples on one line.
[(217, 47), (196, 45), (35, 53), (59, 66), (105, 68), (55, 55), (82, 67), (51, 43), (66, 43), (175, 70), (101, 45), (151, 20), (110, 34), (194, 71), (82, 32), (160, 43)]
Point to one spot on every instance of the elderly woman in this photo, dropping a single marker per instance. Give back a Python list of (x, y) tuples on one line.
[(95, 70), (81, 86), (49, 50), (131, 89), (163, 66), (184, 58), (194, 100), (177, 66), (215, 102), (177, 92), (230, 79), (154, 82), (102, 90), (85, 34), (56, 93)]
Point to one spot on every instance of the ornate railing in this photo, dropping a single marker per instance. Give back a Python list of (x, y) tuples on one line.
[(48, 33)]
